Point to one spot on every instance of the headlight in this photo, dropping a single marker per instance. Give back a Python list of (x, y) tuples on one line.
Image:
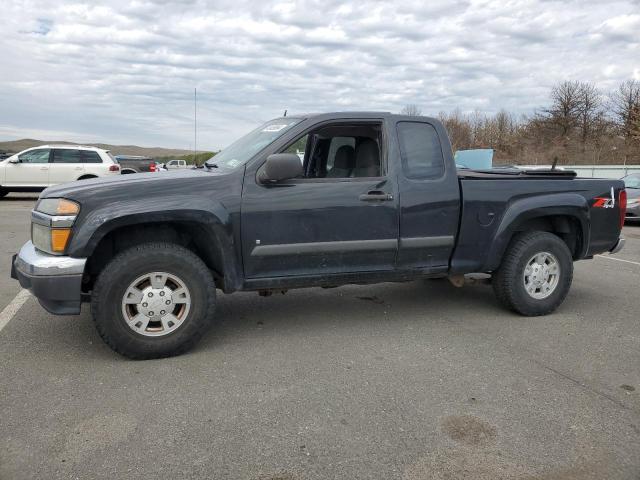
[(51, 224), (58, 206)]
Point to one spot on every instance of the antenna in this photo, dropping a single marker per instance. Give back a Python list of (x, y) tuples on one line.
[(195, 123), (285, 113)]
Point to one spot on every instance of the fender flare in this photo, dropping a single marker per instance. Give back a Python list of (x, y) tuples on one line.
[(214, 221), (522, 210)]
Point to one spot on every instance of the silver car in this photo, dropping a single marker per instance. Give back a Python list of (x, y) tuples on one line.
[(632, 185)]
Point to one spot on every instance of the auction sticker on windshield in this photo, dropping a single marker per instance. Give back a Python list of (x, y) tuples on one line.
[(275, 128)]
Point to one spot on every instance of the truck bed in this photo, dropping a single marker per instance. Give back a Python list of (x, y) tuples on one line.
[(491, 199)]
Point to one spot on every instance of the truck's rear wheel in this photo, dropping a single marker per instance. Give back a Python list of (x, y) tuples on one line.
[(153, 300), (535, 275)]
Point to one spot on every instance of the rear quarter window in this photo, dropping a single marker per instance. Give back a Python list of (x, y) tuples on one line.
[(420, 150), (90, 157)]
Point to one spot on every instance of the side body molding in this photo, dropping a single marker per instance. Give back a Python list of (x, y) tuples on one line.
[(524, 209)]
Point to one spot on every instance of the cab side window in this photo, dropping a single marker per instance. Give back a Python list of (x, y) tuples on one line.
[(35, 156), (420, 150), (341, 157), (341, 151)]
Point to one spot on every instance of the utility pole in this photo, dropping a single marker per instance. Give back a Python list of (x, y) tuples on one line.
[(195, 123)]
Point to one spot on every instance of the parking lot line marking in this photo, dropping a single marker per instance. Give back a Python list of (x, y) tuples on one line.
[(618, 259), (10, 310)]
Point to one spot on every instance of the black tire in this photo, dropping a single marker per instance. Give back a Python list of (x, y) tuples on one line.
[(508, 282), (124, 268)]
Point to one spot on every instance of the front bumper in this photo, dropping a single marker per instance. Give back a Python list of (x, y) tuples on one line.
[(54, 280)]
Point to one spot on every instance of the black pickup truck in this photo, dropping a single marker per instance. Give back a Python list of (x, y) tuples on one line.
[(314, 200), (135, 164)]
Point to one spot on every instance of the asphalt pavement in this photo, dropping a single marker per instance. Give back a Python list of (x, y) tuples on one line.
[(408, 381)]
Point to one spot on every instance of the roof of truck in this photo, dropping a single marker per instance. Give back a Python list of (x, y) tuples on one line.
[(352, 114)]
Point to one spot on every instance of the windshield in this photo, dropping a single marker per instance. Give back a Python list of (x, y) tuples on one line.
[(240, 151), (632, 181)]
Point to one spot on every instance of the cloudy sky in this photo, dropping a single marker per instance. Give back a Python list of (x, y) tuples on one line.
[(124, 71)]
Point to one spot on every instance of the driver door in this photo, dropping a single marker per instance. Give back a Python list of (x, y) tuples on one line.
[(327, 224)]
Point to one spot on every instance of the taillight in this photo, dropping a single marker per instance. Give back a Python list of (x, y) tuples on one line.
[(114, 168), (152, 167), (622, 204)]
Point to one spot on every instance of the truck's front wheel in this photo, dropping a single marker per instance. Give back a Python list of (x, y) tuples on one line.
[(535, 275), (153, 300)]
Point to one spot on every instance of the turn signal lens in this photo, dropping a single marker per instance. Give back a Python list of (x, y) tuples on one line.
[(59, 239), (67, 207)]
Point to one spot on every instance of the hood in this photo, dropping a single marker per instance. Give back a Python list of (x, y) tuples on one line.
[(132, 184)]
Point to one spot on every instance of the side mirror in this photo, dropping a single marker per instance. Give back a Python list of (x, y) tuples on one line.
[(280, 166), (14, 160)]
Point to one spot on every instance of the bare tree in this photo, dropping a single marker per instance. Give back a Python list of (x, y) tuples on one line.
[(411, 110), (590, 110), (504, 127), (625, 108), (458, 128), (564, 111), (577, 127)]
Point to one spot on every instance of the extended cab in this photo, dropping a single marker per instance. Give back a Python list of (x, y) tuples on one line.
[(375, 198)]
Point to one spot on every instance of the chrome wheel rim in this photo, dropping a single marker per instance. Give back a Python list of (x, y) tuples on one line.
[(541, 275), (156, 304)]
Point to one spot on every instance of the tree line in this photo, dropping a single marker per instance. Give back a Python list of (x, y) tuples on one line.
[(580, 125)]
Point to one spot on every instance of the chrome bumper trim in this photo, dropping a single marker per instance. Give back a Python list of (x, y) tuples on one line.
[(61, 221), (618, 246), (33, 262)]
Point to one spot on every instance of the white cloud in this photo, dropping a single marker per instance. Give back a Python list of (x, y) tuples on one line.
[(124, 71)]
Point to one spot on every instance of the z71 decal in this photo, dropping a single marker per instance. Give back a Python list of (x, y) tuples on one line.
[(604, 202)]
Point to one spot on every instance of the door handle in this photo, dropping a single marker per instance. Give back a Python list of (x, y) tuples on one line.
[(44, 168), (78, 168), (376, 196)]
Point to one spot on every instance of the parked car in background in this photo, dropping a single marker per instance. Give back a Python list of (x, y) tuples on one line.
[(136, 164), (632, 184), (176, 164), (37, 168)]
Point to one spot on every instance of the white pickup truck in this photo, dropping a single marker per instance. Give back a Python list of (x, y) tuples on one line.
[(176, 164)]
